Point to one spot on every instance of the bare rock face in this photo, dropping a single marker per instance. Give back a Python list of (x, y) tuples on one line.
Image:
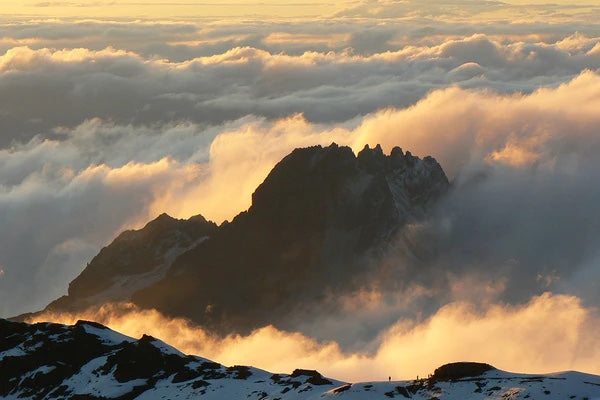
[(460, 370), (316, 223), (133, 260)]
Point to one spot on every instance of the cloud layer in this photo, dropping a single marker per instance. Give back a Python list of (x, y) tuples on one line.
[(43, 88), (539, 151), (550, 333), (105, 124), (472, 10)]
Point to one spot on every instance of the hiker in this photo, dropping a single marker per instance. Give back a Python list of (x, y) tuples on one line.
[(389, 378)]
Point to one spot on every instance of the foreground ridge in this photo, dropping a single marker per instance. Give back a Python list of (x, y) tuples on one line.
[(89, 361)]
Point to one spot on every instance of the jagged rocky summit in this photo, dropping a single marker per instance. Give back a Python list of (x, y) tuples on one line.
[(89, 361), (319, 221)]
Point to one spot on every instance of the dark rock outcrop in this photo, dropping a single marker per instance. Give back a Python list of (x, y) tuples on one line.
[(88, 360), (460, 370), (314, 377), (61, 350)]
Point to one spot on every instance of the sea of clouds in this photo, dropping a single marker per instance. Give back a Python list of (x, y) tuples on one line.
[(104, 124)]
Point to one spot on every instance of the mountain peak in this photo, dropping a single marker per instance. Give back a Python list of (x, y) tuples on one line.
[(309, 176), (321, 210)]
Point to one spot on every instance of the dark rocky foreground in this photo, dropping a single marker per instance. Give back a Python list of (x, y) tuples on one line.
[(89, 361)]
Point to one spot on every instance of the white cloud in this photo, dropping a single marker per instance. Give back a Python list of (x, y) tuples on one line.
[(539, 151), (45, 88), (105, 124)]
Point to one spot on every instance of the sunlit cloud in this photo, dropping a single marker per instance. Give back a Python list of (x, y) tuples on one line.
[(114, 113), (174, 9), (129, 87), (549, 333), (441, 9), (113, 176)]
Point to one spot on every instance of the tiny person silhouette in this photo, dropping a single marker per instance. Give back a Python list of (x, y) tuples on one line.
[(389, 378)]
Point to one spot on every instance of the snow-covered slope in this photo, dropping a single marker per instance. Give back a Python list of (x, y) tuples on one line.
[(90, 361)]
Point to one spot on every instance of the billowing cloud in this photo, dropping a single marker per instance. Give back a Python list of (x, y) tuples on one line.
[(106, 123), (549, 333), (44, 88), (59, 217), (539, 151), (483, 128), (66, 197)]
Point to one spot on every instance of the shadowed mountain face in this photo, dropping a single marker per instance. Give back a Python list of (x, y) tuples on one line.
[(133, 260), (317, 225)]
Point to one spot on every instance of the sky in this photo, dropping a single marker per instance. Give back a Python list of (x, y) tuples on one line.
[(112, 112)]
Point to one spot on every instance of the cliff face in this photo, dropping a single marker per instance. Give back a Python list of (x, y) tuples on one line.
[(133, 260), (316, 223)]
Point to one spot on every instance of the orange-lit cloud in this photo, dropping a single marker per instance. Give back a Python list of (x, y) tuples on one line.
[(170, 9), (185, 169), (24, 58), (460, 128), (240, 160), (108, 123), (514, 155), (549, 333), (251, 9)]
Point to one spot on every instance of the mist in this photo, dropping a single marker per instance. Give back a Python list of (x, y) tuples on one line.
[(550, 333), (521, 209), (511, 245)]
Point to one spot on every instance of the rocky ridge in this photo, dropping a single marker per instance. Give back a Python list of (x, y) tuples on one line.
[(90, 361), (320, 220)]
